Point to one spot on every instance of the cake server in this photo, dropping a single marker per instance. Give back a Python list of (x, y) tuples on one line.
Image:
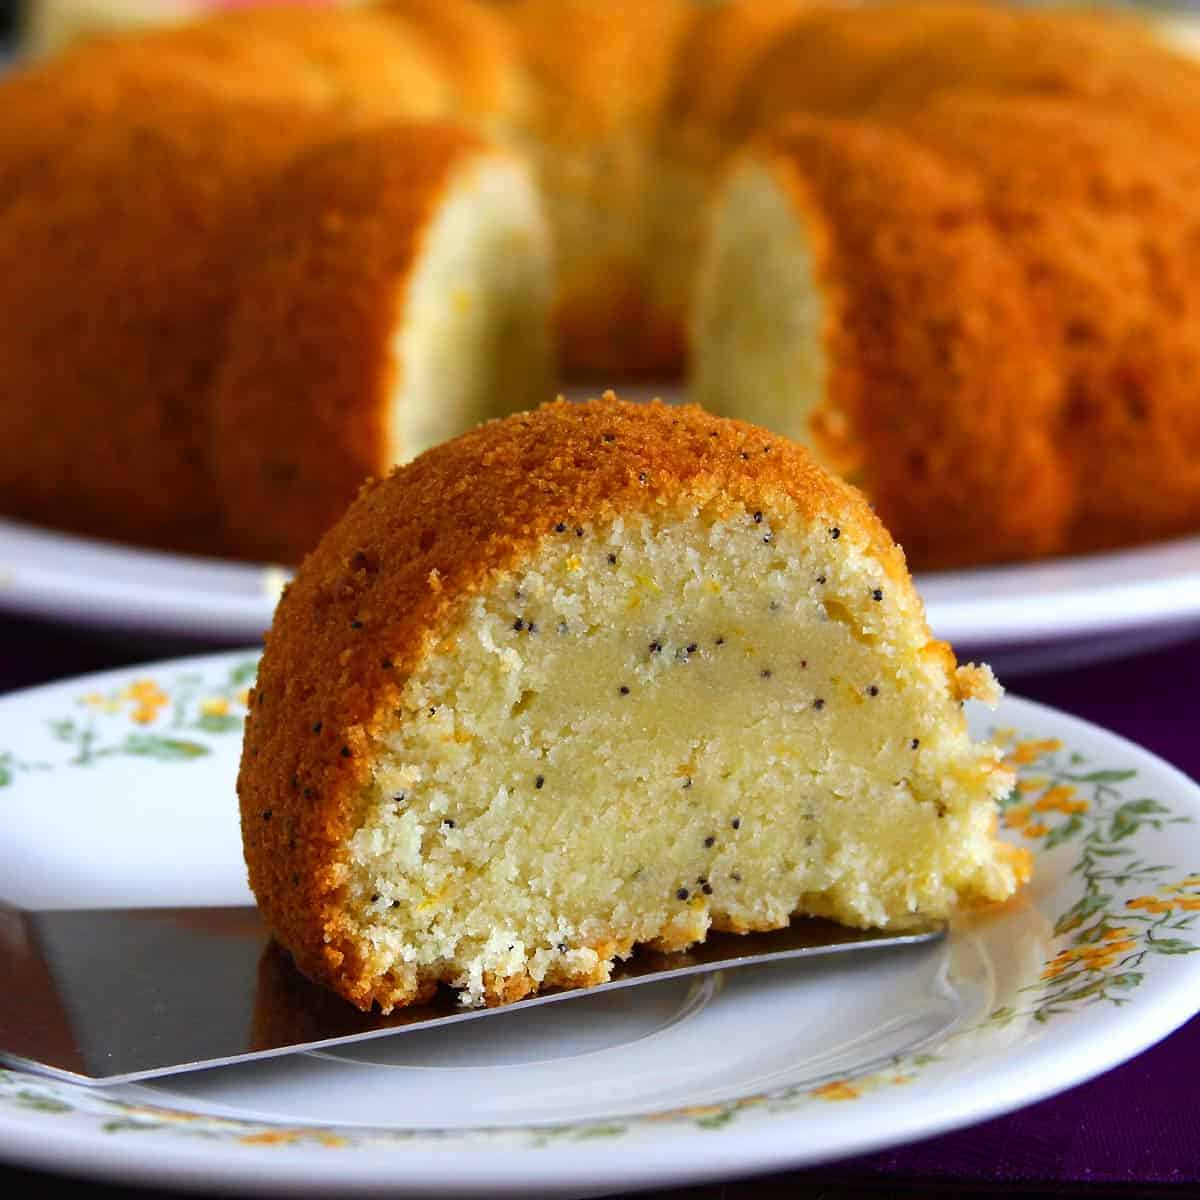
[(104, 996)]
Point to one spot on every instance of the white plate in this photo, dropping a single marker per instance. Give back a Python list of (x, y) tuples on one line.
[(117, 789), (1022, 618)]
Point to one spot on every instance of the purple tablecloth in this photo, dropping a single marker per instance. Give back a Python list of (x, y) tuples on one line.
[(1132, 1132)]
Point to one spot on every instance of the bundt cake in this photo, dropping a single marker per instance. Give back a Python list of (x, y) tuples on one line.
[(144, 227), (595, 676)]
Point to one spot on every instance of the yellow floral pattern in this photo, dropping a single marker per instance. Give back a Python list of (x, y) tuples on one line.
[(147, 718), (1108, 941)]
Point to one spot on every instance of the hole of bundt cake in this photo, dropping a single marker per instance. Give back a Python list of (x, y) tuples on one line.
[(473, 341), (698, 746)]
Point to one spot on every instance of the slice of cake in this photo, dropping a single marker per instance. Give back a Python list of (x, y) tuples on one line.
[(596, 676)]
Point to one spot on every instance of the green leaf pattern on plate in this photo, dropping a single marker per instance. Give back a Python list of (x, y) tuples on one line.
[(170, 723), (1106, 939)]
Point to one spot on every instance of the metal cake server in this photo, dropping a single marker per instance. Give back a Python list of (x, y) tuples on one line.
[(107, 996)]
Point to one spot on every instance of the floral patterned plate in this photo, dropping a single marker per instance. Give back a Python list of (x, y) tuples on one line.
[(117, 789)]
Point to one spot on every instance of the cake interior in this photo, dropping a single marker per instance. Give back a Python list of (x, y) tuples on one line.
[(473, 341), (657, 726), (758, 325)]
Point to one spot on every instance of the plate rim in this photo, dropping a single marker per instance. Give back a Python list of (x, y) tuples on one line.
[(684, 1157), (233, 600)]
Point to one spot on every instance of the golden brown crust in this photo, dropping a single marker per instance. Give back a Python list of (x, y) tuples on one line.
[(1102, 217), (718, 55), (204, 56), (856, 60), (1115, 66), (836, 59), (122, 246), (300, 406), (372, 68), (941, 395), (394, 572), (473, 46)]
